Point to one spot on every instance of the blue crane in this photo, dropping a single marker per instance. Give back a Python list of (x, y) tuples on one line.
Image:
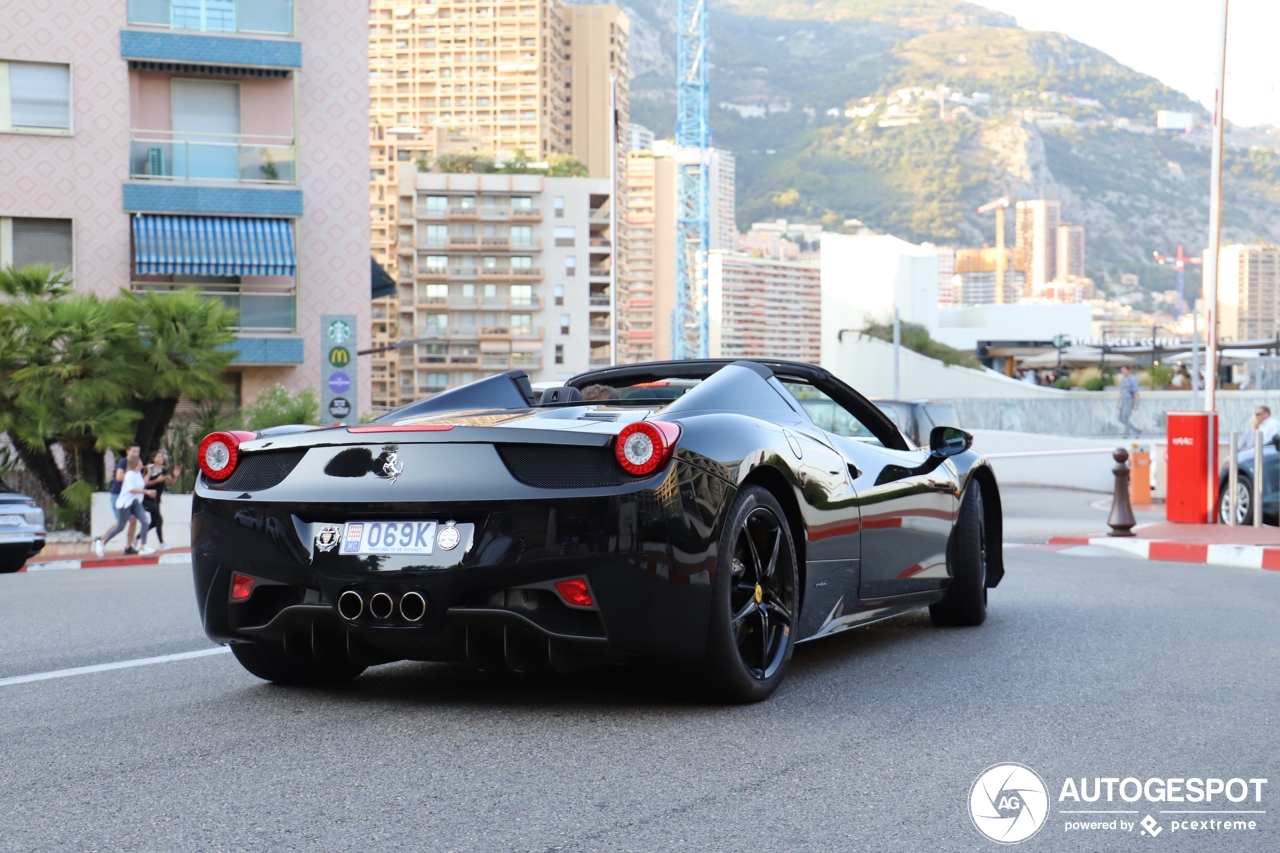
[(690, 335)]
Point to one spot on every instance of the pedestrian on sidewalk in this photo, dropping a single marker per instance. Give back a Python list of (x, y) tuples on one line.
[(1128, 402), (133, 488), (1262, 420), (158, 477), (117, 479)]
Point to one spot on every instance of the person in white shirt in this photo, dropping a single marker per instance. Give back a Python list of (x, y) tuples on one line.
[(129, 505), (1262, 420)]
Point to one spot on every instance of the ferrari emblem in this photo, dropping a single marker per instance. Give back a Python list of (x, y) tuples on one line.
[(392, 468), (759, 594), (328, 538)]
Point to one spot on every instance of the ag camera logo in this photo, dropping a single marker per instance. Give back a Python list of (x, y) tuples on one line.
[(1008, 803)]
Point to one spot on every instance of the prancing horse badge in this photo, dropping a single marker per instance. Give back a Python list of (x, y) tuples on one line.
[(392, 468)]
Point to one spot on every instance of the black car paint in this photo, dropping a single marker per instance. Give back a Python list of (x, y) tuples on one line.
[(870, 546)]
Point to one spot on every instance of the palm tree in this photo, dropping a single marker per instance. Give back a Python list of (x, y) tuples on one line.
[(181, 350)]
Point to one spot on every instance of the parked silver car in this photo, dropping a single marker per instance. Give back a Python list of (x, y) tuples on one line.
[(22, 532)]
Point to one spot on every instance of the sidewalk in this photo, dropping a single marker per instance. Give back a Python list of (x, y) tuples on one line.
[(1218, 544), (175, 557)]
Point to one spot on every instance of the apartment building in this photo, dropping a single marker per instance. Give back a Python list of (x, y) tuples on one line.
[(1249, 292), (651, 259), (764, 307), (496, 78), (1069, 253), (508, 271), (167, 144), (1036, 239)]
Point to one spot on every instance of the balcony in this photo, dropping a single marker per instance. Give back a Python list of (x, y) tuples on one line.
[(599, 332), (238, 158), (519, 274), (600, 361), (269, 309), (601, 302), (469, 212), (433, 273), (600, 272), (274, 17), (526, 214)]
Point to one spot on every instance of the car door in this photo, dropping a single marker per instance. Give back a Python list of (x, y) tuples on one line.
[(907, 505)]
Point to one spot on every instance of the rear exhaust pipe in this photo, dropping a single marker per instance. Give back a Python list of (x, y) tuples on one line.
[(413, 606), (350, 605), (381, 605)]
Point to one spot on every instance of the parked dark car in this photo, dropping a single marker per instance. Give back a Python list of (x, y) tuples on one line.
[(704, 516), (22, 533), (1244, 487), (916, 418)]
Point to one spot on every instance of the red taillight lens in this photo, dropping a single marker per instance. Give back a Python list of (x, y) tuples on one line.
[(241, 587), (645, 446), (575, 592), (219, 453)]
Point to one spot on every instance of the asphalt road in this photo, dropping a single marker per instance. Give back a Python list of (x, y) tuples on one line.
[(1036, 514), (1087, 666)]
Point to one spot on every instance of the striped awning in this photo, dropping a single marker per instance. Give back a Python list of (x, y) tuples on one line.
[(212, 245)]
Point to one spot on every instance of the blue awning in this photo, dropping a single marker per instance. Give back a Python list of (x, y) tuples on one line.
[(212, 245)]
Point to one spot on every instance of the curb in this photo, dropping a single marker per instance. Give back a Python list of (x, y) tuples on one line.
[(1166, 550), (170, 558)]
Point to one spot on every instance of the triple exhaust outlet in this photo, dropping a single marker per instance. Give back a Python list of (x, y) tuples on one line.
[(351, 606)]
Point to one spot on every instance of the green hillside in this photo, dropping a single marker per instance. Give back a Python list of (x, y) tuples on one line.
[(1049, 128)]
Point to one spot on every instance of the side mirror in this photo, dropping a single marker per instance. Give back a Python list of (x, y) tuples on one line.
[(947, 441)]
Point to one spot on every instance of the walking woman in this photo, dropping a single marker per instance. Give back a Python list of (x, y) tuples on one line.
[(158, 477), (129, 505)]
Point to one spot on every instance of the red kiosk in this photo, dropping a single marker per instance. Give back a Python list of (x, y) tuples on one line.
[(1193, 467)]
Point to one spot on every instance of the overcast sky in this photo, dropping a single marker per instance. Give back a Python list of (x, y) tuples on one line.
[(1174, 41)]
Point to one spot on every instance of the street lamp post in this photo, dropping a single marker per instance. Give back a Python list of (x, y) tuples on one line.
[(1215, 220)]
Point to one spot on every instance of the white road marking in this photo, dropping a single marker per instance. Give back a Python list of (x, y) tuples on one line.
[(103, 667)]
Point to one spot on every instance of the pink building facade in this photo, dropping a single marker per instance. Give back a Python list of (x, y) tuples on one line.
[(220, 144)]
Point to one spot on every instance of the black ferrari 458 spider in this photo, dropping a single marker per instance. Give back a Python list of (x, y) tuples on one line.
[(702, 515)]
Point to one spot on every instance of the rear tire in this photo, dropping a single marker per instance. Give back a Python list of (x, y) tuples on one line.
[(270, 662), (966, 601), (754, 603)]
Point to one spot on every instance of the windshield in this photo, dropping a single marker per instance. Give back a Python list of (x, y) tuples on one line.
[(826, 413)]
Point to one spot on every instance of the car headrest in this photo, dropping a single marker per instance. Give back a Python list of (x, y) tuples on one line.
[(563, 394)]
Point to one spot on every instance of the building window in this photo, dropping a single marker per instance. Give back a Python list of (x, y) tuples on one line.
[(437, 324), (469, 291), (570, 265), (559, 294), (432, 354), (436, 382), (24, 242), (559, 353), (521, 295), (435, 292), (437, 205), (564, 324), (37, 96), (521, 324), (436, 235), (436, 263), (521, 203), (558, 204), (521, 262), (521, 236), (565, 235)]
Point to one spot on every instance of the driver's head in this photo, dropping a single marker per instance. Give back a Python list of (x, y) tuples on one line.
[(600, 392)]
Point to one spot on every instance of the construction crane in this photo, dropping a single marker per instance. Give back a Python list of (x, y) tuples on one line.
[(998, 206), (690, 336), (1179, 262)]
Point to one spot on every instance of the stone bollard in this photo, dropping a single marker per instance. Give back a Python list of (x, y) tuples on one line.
[(1121, 520)]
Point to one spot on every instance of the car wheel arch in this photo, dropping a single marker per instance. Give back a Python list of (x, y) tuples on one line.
[(775, 483)]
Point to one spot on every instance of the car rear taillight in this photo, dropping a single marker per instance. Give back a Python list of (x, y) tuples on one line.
[(645, 446), (575, 592), (219, 453), (241, 587)]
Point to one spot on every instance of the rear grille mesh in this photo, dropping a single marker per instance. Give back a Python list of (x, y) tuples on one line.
[(560, 466), (261, 470)]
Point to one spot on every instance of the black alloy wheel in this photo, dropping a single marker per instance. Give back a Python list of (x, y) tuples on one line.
[(755, 602), (965, 603)]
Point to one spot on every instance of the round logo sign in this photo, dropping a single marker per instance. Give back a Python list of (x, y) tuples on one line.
[(339, 382), (339, 407), (339, 357), (339, 331), (1008, 803)]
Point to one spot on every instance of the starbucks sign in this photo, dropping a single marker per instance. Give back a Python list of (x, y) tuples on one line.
[(339, 401)]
